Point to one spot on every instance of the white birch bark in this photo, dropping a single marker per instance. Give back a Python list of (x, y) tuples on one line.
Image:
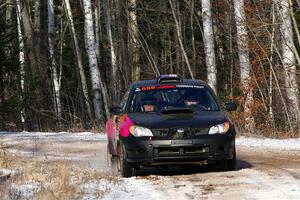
[(133, 38), (98, 54), (113, 59), (54, 73), (93, 65), (21, 54), (78, 59), (288, 58), (209, 46), (243, 48)]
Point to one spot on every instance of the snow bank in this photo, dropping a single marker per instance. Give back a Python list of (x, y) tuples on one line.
[(281, 144), (58, 136)]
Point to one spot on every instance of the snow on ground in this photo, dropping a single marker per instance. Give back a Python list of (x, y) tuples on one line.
[(59, 136), (12, 137), (247, 183), (279, 144), (134, 188)]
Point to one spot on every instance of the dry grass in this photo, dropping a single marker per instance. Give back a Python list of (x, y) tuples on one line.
[(51, 179)]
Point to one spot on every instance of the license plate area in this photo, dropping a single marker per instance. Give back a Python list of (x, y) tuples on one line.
[(181, 142)]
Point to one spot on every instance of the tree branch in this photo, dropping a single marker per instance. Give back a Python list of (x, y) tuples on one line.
[(5, 4)]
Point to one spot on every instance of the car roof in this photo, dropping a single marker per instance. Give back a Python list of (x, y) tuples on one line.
[(154, 82)]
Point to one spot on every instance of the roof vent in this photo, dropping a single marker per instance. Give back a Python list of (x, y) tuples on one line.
[(168, 78)]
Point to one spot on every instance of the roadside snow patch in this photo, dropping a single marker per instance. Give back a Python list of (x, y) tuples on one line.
[(59, 136), (282, 144), (134, 188)]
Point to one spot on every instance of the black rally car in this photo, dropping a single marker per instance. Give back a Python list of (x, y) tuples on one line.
[(171, 120)]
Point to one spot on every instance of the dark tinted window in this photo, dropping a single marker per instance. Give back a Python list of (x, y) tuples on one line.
[(180, 96)]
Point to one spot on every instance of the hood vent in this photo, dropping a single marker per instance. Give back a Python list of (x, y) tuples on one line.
[(176, 113)]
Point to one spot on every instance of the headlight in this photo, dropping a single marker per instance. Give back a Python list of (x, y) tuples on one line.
[(220, 128), (139, 131)]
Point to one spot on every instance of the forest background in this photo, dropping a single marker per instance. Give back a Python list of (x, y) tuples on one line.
[(64, 63)]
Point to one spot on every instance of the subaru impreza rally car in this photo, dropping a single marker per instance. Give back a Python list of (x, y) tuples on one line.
[(171, 120)]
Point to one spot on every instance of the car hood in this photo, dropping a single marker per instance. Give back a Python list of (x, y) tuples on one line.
[(203, 119)]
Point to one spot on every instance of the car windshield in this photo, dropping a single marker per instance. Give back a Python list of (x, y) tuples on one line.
[(157, 98)]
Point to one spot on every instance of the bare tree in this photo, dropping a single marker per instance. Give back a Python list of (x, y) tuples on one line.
[(243, 48), (209, 46), (55, 75), (92, 57), (28, 33), (37, 25), (133, 38), (78, 59), (98, 54), (288, 58), (113, 60), (21, 54), (179, 35), (122, 49)]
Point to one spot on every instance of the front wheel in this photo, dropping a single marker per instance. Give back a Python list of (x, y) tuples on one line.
[(125, 169), (229, 164)]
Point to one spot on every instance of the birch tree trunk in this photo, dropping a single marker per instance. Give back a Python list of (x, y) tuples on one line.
[(113, 86), (242, 41), (288, 58), (209, 46), (78, 59), (133, 38), (98, 54), (93, 65), (21, 54), (54, 73)]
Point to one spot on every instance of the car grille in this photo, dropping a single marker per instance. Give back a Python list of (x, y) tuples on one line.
[(160, 132), (200, 131), (179, 133)]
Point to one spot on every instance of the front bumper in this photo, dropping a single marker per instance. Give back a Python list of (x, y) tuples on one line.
[(144, 151)]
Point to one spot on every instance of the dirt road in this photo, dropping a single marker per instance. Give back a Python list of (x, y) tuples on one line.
[(261, 173)]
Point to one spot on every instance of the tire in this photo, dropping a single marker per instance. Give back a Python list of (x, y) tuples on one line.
[(125, 169), (229, 164), (108, 157)]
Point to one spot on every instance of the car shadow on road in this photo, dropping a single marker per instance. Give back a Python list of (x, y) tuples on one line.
[(242, 164), (188, 169)]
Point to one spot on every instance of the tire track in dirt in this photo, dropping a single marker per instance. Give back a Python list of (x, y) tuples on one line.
[(260, 174)]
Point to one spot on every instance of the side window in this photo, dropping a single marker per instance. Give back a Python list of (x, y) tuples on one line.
[(125, 99), (209, 101)]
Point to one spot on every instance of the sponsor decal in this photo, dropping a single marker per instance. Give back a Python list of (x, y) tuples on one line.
[(161, 87), (145, 88), (166, 87), (190, 86)]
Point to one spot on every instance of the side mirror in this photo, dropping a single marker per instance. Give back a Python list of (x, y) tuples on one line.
[(230, 106), (116, 110)]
